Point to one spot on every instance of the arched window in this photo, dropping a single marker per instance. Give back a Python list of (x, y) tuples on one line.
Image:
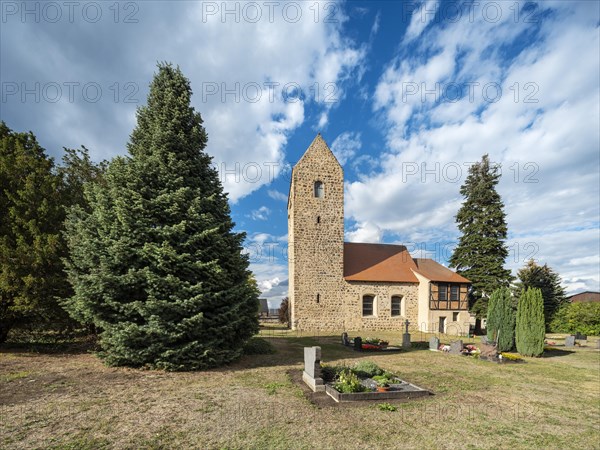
[(396, 305), (367, 305), (319, 189)]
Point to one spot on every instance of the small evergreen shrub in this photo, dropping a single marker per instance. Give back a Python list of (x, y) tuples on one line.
[(367, 369)]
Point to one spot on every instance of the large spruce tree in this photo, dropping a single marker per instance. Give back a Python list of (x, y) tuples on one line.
[(31, 220), (530, 327), (501, 319), (545, 279), (481, 250), (155, 264)]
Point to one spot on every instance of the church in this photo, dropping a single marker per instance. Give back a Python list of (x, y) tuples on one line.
[(337, 285)]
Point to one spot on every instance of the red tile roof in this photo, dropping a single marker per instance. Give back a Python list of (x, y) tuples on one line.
[(434, 271), (378, 262), (585, 297), (391, 263)]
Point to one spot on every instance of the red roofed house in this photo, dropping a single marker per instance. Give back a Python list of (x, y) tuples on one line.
[(585, 297), (354, 286)]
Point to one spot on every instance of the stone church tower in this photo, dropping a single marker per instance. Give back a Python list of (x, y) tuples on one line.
[(316, 237), (337, 285)]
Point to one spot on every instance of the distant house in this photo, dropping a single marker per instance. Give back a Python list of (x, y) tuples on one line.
[(585, 297)]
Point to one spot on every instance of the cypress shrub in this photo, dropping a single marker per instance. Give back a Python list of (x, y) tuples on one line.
[(530, 329), (501, 319)]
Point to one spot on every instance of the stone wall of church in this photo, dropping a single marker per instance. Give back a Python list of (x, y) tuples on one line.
[(382, 318), (335, 313)]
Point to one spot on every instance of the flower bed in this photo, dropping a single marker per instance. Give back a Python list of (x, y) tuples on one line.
[(366, 381)]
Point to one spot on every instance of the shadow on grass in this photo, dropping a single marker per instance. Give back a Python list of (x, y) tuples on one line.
[(290, 351), (556, 352), (47, 344)]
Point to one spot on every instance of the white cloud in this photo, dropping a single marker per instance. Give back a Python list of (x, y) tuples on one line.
[(261, 213), (276, 195), (365, 232), (239, 71), (546, 139), (421, 17), (346, 146)]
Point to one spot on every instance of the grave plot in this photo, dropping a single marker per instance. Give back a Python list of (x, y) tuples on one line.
[(375, 344), (362, 382), (485, 351)]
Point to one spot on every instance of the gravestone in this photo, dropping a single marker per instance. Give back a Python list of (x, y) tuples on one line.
[(570, 341), (484, 339), (345, 340), (406, 336), (580, 337), (598, 344), (434, 343), (358, 344), (456, 347), (312, 368)]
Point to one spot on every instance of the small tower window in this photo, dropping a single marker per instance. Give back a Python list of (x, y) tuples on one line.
[(319, 189), (318, 219), (318, 298)]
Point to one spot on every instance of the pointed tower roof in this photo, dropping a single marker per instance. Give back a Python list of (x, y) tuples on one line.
[(317, 152), (318, 145)]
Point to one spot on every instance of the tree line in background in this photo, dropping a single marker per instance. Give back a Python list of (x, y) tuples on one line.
[(140, 249), (520, 311)]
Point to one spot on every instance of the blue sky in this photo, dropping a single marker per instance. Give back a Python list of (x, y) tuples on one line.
[(407, 94)]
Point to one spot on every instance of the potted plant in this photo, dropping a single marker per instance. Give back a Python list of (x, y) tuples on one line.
[(382, 383)]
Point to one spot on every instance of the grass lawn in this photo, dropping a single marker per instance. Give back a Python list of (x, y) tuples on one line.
[(70, 400)]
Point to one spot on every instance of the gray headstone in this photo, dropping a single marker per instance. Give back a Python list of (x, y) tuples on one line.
[(358, 344), (570, 341), (434, 343), (406, 340), (598, 344), (312, 361), (581, 337), (345, 340), (484, 339), (456, 347)]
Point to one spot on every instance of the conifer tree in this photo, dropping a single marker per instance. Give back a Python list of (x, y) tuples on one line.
[(501, 319), (31, 247), (155, 264), (530, 329), (481, 250), (545, 279)]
